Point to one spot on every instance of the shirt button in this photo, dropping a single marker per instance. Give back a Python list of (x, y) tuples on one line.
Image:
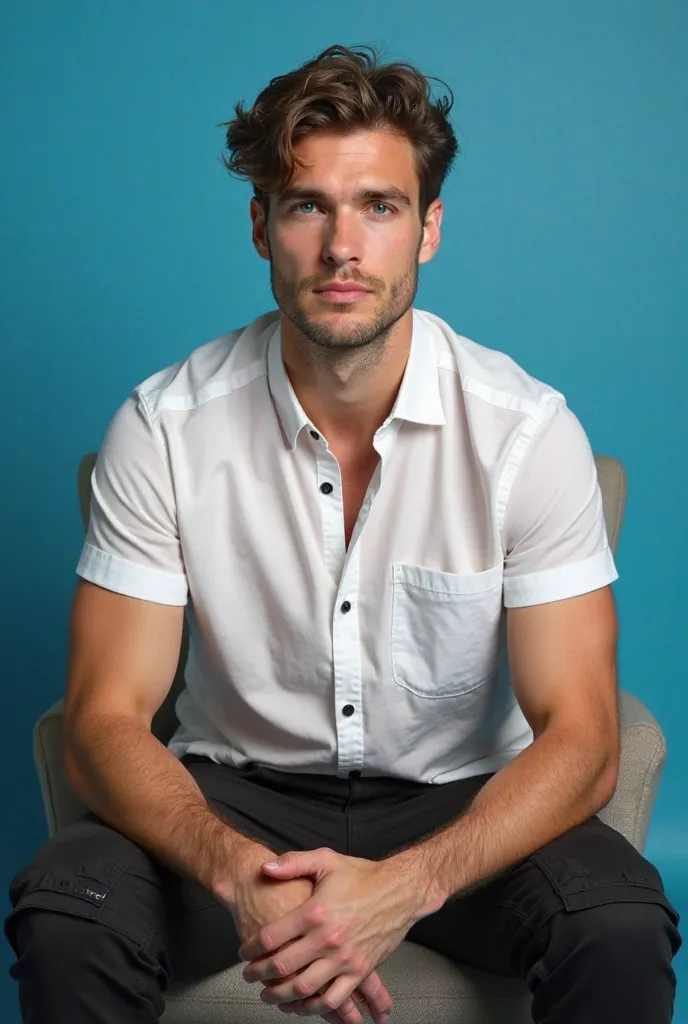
[(315, 435), (326, 488), (355, 774), (345, 606), (348, 710)]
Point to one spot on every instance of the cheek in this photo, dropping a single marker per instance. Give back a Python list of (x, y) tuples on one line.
[(285, 264), (293, 258), (392, 249)]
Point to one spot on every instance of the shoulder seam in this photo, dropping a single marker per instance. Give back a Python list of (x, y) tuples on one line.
[(495, 396), (517, 454), (152, 422)]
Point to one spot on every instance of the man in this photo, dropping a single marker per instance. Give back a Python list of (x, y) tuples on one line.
[(390, 544)]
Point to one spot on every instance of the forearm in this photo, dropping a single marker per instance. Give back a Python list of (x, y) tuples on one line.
[(133, 782), (559, 781)]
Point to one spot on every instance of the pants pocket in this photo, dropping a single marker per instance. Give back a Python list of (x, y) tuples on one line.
[(593, 864), (74, 872), (53, 891)]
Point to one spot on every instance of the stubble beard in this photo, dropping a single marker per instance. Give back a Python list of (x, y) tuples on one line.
[(364, 341)]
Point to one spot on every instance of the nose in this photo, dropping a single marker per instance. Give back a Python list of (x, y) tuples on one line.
[(342, 242)]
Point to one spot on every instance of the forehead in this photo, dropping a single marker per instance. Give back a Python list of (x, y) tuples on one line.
[(337, 161)]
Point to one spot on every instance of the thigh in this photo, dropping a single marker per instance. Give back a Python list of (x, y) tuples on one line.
[(92, 871), (89, 869), (587, 866)]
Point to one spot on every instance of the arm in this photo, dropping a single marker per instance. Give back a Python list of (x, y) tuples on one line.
[(562, 633), (123, 656), (562, 658)]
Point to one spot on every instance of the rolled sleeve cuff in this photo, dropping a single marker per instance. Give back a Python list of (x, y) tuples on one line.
[(124, 577), (561, 582)]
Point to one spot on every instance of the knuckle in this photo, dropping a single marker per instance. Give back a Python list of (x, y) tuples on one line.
[(329, 1002), (331, 938), (280, 967), (303, 988), (316, 913)]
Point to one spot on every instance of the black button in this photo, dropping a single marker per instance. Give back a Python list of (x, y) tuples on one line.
[(315, 435), (348, 709), (355, 774), (326, 488), (346, 606)]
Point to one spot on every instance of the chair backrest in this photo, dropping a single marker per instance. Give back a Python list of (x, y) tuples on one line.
[(613, 485)]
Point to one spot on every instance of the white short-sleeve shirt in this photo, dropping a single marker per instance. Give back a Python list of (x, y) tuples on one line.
[(213, 490)]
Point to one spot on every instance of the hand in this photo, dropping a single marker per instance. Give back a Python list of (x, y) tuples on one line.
[(360, 911), (259, 900)]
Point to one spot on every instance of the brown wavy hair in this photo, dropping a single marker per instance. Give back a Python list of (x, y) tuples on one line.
[(342, 89)]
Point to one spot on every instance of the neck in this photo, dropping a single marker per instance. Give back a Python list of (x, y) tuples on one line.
[(347, 395)]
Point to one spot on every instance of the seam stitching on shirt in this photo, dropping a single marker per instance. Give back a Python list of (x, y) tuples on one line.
[(153, 423), (514, 460)]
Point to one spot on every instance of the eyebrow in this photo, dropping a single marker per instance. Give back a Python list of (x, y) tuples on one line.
[(370, 195)]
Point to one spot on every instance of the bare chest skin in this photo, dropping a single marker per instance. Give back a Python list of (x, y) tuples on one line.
[(356, 469)]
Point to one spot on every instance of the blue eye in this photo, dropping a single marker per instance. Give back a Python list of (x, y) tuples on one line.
[(376, 208), (300, 206)]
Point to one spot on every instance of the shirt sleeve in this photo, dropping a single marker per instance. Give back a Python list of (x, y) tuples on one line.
[(132, 543), (555, 536)]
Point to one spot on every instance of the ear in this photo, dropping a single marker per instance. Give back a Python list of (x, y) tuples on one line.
[(260, 229), (431, 231)]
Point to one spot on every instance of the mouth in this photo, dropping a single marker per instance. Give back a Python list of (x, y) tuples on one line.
[(342, 293)]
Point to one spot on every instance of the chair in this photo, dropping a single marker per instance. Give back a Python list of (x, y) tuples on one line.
[(426, 986)]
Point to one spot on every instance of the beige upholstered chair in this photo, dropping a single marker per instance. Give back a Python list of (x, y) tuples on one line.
[(427, 988)]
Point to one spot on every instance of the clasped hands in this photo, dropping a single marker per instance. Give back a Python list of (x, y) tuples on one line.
[(358, 914)]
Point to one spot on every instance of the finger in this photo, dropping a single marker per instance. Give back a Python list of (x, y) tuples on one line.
[(359, 1006), (336, 1018), (293, 925), (349, 1012), (338, 996), (297, 1005), (296, 863), (378, 999), (305, 984), (295, 956), (372, 998)]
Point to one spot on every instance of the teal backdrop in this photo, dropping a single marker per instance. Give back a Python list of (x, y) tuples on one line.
[(125, 244)]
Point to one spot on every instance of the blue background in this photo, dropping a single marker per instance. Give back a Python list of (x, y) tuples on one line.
[(126, 245)]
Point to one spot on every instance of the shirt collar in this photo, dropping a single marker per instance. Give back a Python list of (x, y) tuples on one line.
[(418, 399)]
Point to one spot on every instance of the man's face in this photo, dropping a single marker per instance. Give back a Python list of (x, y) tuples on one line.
[(349, 217)]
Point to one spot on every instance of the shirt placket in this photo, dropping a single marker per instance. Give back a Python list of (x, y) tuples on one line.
[(346, 625)]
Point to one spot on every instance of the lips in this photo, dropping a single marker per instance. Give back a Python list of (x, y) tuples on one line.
[(342, 288), (340, 292)]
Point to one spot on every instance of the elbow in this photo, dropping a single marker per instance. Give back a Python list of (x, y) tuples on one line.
[(71, 762), (607, 779), (610, 778)]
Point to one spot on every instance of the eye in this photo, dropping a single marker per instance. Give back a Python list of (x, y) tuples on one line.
[(300, 207), (381, 209)]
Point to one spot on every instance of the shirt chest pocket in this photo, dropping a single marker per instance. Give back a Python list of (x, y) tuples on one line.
[(445, 629)]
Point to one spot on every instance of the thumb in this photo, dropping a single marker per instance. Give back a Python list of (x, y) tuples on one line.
[(295, 864)]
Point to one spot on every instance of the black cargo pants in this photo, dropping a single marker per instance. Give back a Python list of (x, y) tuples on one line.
[(100, 927)]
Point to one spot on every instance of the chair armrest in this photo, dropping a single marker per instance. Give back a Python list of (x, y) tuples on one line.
[(643, 755), (60, 802)]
